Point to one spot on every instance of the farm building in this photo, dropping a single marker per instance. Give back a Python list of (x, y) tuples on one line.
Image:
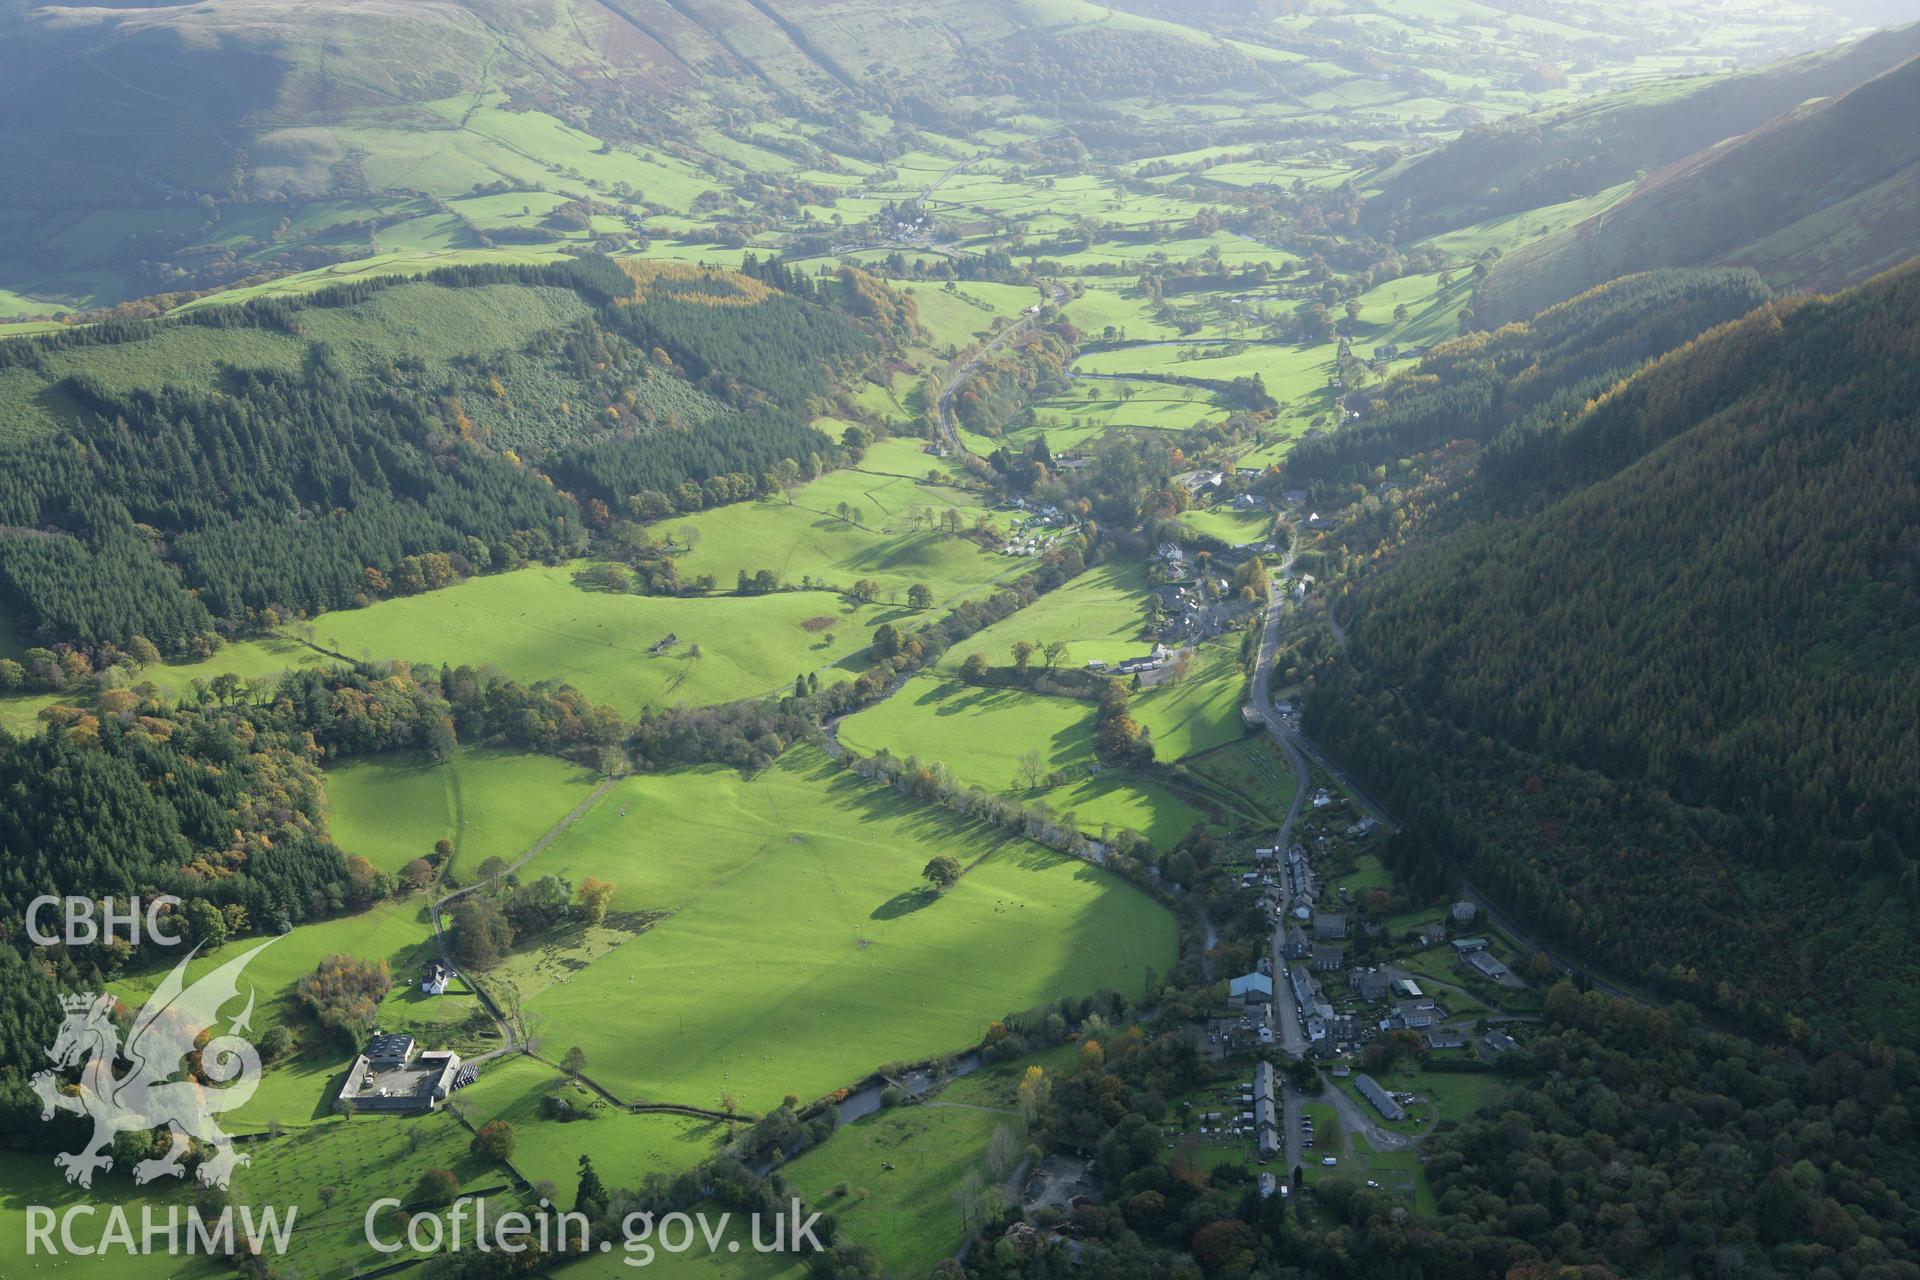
[(1382, 1100), (391, 1077), (1487, 965)]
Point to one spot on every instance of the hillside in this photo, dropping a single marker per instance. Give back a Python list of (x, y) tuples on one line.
[(173, 478), (1673, 662), (1817, 198), (1566, 153)]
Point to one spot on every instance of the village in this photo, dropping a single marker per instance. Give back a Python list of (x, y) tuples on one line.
[(1360, 1024)]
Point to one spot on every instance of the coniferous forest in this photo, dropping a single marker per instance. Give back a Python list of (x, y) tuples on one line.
[(171, 512), (1678, 643)]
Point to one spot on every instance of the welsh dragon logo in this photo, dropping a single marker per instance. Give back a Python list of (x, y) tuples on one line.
[(164, 1034)]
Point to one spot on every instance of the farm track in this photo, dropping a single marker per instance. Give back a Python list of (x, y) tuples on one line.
[(507, 1042), (964, 370)]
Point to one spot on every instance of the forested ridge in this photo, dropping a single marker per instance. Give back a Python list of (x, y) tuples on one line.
[(1819, 197), (1658, 685), (169, 512), (1505, 166), (1526, 376)]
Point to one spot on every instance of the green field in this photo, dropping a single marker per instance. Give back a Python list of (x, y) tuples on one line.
[(889, 534), (534, 624), (1248, 778), (902, 1170), (981, 734), (352, 1163), (960, 317), (1100, 614), (800, 954), (491, 804), (1199, 711), (1235, 528), (626, 1147), (31, 1179), (1092, 407)]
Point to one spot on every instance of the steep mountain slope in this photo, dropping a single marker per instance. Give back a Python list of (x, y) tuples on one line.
[(1820, 197), (1570, 152), (247, 96), (1674, 663)]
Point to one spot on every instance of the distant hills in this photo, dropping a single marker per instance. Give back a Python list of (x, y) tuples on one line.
[(1819, 197), (1571, 152)]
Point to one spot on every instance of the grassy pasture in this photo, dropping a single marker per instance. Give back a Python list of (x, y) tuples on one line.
[(981, 734), (1292, 373), (1235, 528), (1094, 406), (31, 1179), (807, 538), (800, 952), (1201, 711), (392, 809), (1098, 308), (964, 316), (534, 624), (905, 1212), (353, 1163), (1100, 614), (625, 1147), (1248, 778)]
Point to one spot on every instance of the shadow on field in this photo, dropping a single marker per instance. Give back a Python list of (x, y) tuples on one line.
[(905, 904)]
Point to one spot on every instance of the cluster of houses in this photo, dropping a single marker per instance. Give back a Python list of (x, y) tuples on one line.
[(1190, 614), (1313, 945), (1153, 661)]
